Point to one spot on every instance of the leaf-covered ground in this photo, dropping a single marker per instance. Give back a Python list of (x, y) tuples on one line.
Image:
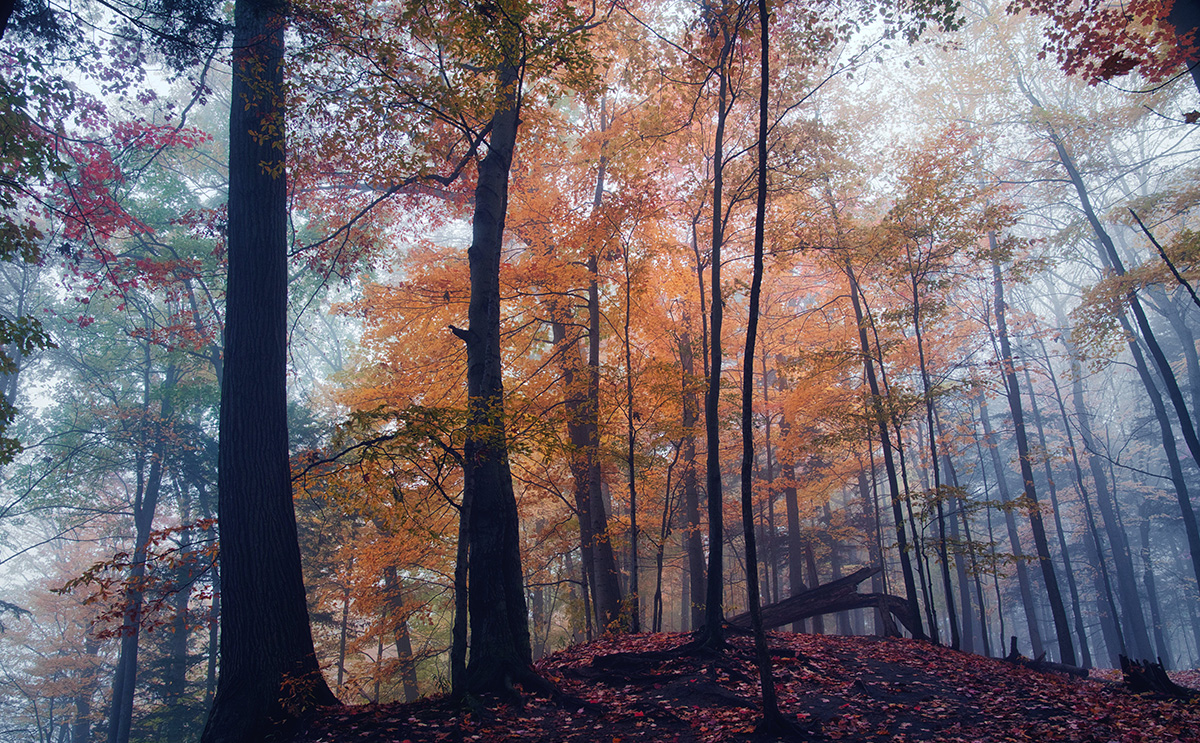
[(850, 688)]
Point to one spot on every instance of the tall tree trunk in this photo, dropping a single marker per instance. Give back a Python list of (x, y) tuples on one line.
[(772, 721), (582, 410), (795, 541), (1135, 635), (1113, 638), (81, 726), (691, 490), (606, 586), (153, 446), (713, 634), (1160, 641), (1108, 255), (400, 634), (960, 568), (500, 650), (889, 463), (269, 670), (1062, 628), (1076, 606), (927, 391), (635, 607), (1014, 538)]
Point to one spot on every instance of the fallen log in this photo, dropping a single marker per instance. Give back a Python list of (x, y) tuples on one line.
[(1040, 663), (838, 595)]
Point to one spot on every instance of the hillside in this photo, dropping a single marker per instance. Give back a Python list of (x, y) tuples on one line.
[(851, 688)]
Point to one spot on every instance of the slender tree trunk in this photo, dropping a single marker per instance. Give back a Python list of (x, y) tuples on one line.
[(1072, 588), (1108, 254), (1135, 635), (772, 721), (1014, 538), (880, 416), (691, 490), (1160, 641), (400, 634), (1113, 638), (635, 610), (795, 540), (153, 444), (714, 617), (960, 569), (269, 670), (1062, 630), (943, 551)]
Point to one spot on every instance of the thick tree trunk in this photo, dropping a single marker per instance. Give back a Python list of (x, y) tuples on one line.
[(269, 671), (500, 650)]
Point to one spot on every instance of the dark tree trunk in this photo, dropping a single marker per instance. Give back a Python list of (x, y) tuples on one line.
[(691, 489), (582, 410), (794, 540), (889, 463), (269, 671), (1131, 621), (606, 586), (635, 606), (81, 726), (1109, 256), (500, 650), (1014, 538), (1104, 595), (772, 721), (942, 549), (960, 568), (1076, 606), (1062, 628), (713, 633)]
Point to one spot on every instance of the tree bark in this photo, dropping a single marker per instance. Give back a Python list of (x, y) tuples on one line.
[(269, 670), (500, 651)]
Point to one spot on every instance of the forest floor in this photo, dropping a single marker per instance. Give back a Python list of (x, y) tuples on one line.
[(847, 688)]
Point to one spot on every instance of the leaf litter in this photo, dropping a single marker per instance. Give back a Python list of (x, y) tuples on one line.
[(639, 688)]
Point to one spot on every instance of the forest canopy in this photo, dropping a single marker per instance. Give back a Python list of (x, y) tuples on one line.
[(483, 315)]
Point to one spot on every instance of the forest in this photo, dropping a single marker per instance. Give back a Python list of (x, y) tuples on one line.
[(357, 353)]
